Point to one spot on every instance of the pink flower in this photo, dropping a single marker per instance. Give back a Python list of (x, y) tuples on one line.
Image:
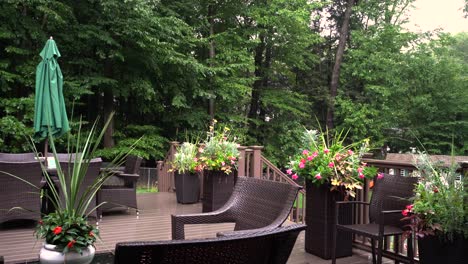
[(301, 165), (380, 175), (294, 176), (318, 176), (350, 152), (223, 163), (200, 150), (289, 171), (195, 159), (233, 162), (305, 152), (309, 158), (405, 212), (326, 151), (331, 165), (360, 170), (315, 154), (361, 175), (303, 161), (409, 207)]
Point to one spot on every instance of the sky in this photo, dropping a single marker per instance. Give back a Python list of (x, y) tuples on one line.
[(432, 14)]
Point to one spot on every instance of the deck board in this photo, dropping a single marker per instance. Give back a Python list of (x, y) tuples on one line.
[(18, 245)]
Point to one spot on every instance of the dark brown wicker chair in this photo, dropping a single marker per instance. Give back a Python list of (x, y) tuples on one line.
[(120, 189), (271, 246), (254, 204), (91, 174), (16, 193), (389, 197)]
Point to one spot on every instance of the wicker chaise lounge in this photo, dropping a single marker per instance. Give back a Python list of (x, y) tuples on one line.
[(15, 193), (254, 204), (272, 246)]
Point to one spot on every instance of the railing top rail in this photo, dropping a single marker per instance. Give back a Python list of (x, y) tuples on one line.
[(278, 171)]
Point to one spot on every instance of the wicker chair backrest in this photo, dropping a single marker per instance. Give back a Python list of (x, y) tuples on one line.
[(269, 247), (16, 193), (18, 157), (91, 174), (257, 203), (391, 193), (132, 164)]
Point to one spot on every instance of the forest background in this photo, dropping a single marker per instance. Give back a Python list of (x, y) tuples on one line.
[(265, 68)]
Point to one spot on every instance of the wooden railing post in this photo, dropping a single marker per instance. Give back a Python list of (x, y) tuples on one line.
[(256, 162), (241, 162)]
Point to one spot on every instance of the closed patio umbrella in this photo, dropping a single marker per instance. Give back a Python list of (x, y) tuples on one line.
[(49, 109)]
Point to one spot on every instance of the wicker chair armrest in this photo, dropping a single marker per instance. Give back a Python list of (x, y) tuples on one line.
[(351, 202), (179, 221), (126, 176), (391, 212), (111, 171), (244, 232)]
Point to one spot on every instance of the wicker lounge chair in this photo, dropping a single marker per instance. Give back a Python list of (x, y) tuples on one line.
[(254, 204), (120, 189), (17, 194), (389, 198), (271, 246)]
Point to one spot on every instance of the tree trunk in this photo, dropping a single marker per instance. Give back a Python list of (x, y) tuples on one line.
[(211, 56), (108, 108), (257, 86), (338, 60)]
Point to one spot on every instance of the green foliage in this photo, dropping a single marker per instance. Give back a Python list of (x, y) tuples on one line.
[(219, 151), (325, 159), (185, 160), (149, 143), (75, 235), (438, 207)]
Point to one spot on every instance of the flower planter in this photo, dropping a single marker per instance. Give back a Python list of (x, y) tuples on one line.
[(433, 249), (187, 187), (320, 216), (49, 255), (217, 188)]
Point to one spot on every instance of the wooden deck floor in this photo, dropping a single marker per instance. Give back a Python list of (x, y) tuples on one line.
[(18, 245)]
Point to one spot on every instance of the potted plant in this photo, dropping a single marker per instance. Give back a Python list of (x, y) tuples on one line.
[(69, 237), (218, 157), (186, 166), (438, 213), (332, 171)]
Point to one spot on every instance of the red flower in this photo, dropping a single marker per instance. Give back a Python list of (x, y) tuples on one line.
[(91, 233), (57, 230), (409, 207), (435, 190), (71, 243), (405, 212), (40, 222), (331, 165)]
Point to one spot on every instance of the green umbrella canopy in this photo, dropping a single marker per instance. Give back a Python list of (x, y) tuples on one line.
[(49, 110)]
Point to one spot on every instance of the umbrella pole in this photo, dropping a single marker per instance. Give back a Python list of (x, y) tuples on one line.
[(46, 151)]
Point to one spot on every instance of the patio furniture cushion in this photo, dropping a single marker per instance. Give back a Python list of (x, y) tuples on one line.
[(254, 204), (271, 246), (114, 182)]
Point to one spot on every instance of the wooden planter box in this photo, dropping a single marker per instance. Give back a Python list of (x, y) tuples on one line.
[(433, 249), (217, 188), (187, 187), (320, 217)]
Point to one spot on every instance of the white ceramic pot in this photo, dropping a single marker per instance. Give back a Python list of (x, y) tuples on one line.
[(49, 255)]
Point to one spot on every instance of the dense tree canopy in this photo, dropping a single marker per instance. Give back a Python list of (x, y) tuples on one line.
[(263, 67)]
